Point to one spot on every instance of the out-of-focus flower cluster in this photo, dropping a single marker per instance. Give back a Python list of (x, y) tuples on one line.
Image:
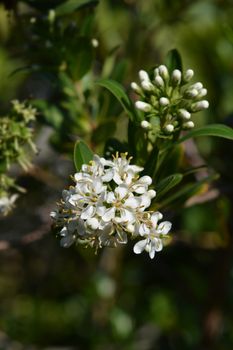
[(108, 205), (15, 135), (169, 99)]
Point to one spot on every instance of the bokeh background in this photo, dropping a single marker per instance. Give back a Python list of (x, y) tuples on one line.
[(52, 52)]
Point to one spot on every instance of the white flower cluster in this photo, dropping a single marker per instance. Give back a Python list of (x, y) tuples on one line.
[(170, 97), (107, 205)]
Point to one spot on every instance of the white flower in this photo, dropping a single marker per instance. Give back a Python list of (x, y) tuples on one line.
[(105, 205), (153, 234), (7, 204)]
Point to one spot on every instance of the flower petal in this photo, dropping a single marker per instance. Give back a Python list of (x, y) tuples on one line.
[(164, 227), (108, 215), (140, 246), (88, 212)]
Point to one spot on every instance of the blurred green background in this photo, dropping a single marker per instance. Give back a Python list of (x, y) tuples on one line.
[(53, 298)]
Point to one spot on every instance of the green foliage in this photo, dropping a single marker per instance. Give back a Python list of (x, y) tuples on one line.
[(82, 154)]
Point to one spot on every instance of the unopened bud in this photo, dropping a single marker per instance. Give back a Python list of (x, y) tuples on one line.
[(151, 193), (176, 77), (145, 124), (202, 93), (136, 87), (94, 42), (163, 71), (188, 74), (147, 85), (169, 128), (198, 106), (164, 101), (188, 125), (143, 75), (197, 86), (159, 81), (191, 93), (184, 114), (143, 106)]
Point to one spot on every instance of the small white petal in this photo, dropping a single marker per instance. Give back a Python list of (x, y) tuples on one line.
[(132, 202), (88, 212), (93, 223), (121, 191), (144, 230), (164, 227), (155, 217), (140, 246), (108, 215)]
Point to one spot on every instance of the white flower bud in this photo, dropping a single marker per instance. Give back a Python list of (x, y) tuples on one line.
[(202, 93), (143, 75), (188, 74), (147, 85), (136, 87), (94, 42), (184, 114), (159, 81), (198, 106), (191, 93), (164, 101), (188, 125), (176, 77), (169, 128), (145, 124), (151, 193), (143, 106), (197, 86), (163, 71)]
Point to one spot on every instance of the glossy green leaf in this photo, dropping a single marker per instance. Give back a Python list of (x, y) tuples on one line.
[(173, 60), (118, 91), (167, 184), (186, 192), (73, 5), (82, 154), (217, 130)]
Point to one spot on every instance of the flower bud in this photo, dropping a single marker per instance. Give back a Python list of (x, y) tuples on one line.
[(147, 85), (176, 77), (188, 125), (145, 124), (94, 42), (151, 193), (202, 93), (197, 86), (136, 88), (198, 106), (159, 81), (163, 71), (143, 106), (143, 75), (164, 101), (191, 93), (184, 114), (169, 128), (188, 75)]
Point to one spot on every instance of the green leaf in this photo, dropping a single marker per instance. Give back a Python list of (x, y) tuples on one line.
[(167, 184), (186, 192), (82, 154), (217, 130), (118, 91), (173, 60), (73, 5)]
